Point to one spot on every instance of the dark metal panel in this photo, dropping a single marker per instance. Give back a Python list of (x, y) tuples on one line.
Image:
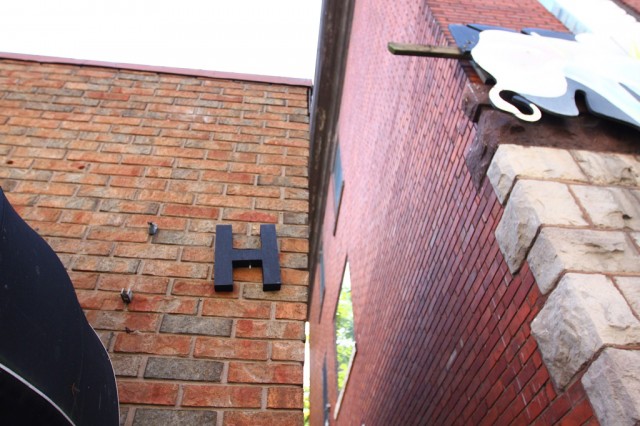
[(45, 338)]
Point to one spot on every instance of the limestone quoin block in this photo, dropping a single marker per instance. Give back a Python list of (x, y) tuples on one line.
[(532, 204), (583, 314), (613, 386)]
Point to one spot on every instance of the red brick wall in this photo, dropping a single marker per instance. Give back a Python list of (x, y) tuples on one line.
[(633, 4), (442, 327), (90, 155)]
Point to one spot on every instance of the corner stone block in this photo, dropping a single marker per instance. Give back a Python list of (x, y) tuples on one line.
[(580, 250), (613, 386), (610, 207), (609, 168), (584, 314), (533, 203), (630, 289), (515, 161)]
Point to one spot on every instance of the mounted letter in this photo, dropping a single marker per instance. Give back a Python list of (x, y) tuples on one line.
[(227, 258)]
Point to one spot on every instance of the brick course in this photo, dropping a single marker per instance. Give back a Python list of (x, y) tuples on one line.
[(91, 155)]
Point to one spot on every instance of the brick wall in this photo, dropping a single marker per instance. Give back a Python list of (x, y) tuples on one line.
[(634, 5), (91, 155), (442, 327)]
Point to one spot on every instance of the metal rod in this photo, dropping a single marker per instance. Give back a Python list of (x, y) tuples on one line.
[(447, 52)]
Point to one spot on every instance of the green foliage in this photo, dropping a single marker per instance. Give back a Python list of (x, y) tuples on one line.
[(307, 408), (345, 337)]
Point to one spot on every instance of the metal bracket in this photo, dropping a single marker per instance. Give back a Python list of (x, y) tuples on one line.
[(126, 295), (447, 52)]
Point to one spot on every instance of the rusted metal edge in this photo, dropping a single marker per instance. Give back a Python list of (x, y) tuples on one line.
[(448, 52)]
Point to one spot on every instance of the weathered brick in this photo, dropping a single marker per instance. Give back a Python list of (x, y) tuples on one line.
[(219, 176), (123, 320), (191, 211), (152, 416), (91, 218), (104, 264), (183, 238), (294, 311), (163, 222), (59, 229), (173, 269), (119, 169), (263, 418), (236, 308), (250, 216), (154, 303), (294, 245), (197, 254), (245, 372), (126, 365), (222, 396), (83, 280), (96, 248), (284, 397), (153, 344), (224, 201), (287, 351), (195, 288), (147, 393), (118, 234), (146, 251), (219, 348), (118, 206), (182, 324), (102, 300), (183, 369), (270, 329), (138, 283), (165, 196), (293, 260), (287, 293)]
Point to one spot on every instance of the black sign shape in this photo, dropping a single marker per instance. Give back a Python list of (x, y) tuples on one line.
[(227, 258), (51, 361)]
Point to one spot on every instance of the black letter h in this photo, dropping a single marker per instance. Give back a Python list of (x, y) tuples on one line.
[(227, 258)]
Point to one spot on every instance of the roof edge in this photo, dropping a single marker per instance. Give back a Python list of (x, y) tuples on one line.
[(289, 81)]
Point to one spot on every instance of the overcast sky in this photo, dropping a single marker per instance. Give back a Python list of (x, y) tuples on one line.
[(266, 37)]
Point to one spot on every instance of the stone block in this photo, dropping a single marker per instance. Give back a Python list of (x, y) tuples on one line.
[(630, 289), (580, 250), (513, 161), (609, 168), (182, 324), (610, 207), (612, 383), (151, 416), (532, 204), (183, 369), (584, 314)]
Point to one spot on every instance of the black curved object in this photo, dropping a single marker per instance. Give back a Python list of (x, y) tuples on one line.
[(52, 364)]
